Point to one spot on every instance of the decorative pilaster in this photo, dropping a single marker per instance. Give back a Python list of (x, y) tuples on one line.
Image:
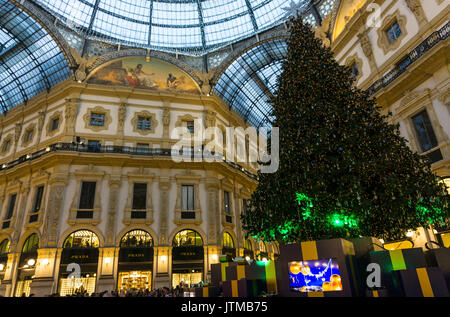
[(164, 186), (70, 116), (53, 211), (166, 123), (416, 7), (121, 121), (213, 197), (114, 189), (367, 49), (21, 210)]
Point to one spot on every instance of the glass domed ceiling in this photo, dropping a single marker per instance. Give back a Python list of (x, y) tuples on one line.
[(194, 27)]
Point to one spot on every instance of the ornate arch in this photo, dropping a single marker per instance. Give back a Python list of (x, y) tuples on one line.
[(23, 239), (149, 230), (189, 227), (73, 229)]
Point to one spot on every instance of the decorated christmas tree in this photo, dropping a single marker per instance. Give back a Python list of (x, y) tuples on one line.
[(344, 170)]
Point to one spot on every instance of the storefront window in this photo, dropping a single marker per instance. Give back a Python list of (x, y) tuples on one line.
[(27, 265), (135, 261), (187, 258), (4, 250), (80, 249)]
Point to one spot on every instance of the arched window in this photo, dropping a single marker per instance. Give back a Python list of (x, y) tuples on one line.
[(187, 238), (81, 239), (31, 244), (4, 247), (248, 244), (262, 246), (136, 238), (227, 241)]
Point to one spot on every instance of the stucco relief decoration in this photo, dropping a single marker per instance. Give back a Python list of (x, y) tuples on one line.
[(140, 73)]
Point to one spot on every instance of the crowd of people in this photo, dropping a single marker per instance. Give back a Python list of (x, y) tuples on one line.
[(160, 292)]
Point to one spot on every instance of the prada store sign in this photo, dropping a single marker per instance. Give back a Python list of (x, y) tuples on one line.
[(187, 253), (136, 255), (79, 255)]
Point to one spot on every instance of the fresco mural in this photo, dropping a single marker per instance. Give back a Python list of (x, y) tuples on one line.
[(137, 72)]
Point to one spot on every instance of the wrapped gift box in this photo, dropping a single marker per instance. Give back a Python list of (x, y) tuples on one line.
[(244, 288), (422, 282), (377, 293), (396, 260), (440, 258), (304, 259), (209, 291), (218, 272)]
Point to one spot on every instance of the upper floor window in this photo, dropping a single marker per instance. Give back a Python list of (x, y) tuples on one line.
[(139, 196), (97, 119), (87, 195), (6, 146), (190, 126), (28, 136), (94, 146), (38, 199), (394, 32), (424, 130), (144, 123), (226, 200), (244, 206), (54, 125), (12, 204), (142, 148), (187, 197), (355, 70)]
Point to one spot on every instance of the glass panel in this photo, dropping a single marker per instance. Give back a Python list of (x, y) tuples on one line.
[(187, 197), (97, 119), (144, 123), (69, 286), (55, 124), (139, 196), (12, 203), (31, 244), (227, 240), (425, 131), (227, 203), (138, 280), (38, 199), (137, 238), (82, 239), (187, 238), (87, 195), (187, 279)]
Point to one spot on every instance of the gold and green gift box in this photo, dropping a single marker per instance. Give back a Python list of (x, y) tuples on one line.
[(422, 282)]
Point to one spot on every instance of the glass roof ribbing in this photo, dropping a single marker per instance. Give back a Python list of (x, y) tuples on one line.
[(30, 60), (194, 27), (251, 80)]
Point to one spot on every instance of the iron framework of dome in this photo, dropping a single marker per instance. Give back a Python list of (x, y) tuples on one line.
[(30, 60), (194, 27)]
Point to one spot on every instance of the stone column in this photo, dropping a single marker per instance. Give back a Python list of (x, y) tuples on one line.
[(105, 274), (162, 268), (46, 270), (7, 285), (212, 194), (166, 124)]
